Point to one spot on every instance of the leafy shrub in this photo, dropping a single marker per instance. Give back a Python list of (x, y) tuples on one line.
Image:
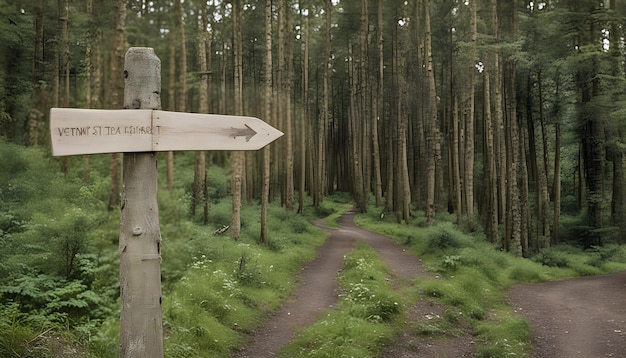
[(444, 237), (527, 271), (552, 257)]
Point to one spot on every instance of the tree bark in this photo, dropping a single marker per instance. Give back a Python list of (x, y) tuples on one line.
[(267, 114), (237, 156), (353, 136), (285, 90), (116, 89), (491, 197), (432, 139), (305, 108), (199, 178), (378, 184), (468, 179)]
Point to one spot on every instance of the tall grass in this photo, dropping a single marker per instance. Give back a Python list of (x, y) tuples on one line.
[(360, 323), (473, 276)]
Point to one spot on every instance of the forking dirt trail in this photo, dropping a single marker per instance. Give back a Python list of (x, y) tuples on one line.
[(583, 318)]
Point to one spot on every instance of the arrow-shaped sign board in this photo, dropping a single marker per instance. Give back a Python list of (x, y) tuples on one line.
[(91, 131)]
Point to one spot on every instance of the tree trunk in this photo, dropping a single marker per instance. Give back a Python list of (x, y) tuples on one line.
[(199, 178), (491, 207), (432, 139), (38, 98), (378, 184), (364, 106), (237, 156), (171, 103), (499, 130), (325, 115), (304, 141), (468, 179), (557, 184), (116, 89), (267, 114), (525, 195), (544, 195), (353, 135), (285, 90), (456, 158)]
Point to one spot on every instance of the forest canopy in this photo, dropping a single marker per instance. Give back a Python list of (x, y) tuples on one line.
[(507, 114)]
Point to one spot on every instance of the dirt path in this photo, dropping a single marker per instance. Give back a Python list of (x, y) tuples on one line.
[(318, 291), (585, 317), (575, 318)]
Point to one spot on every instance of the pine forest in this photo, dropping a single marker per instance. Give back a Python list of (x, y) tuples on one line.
[(500, 120)]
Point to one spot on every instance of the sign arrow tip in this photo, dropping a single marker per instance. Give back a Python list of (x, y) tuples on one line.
[(241, 132)]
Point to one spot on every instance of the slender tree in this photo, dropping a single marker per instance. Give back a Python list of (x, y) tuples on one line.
[(267, 114), (237, 157), (432, 139), (116, 90), (469, 107), (376, 117), (305, 106), (199, 179)]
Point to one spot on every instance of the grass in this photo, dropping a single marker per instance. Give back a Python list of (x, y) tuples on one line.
[(473, 277), (215, 289), (361, 323)]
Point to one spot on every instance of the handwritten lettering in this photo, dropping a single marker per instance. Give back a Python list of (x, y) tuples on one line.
[(73, 131), (97, 131)]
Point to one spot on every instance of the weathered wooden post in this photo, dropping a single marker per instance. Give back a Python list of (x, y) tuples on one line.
[(140, 130), (141, 328)]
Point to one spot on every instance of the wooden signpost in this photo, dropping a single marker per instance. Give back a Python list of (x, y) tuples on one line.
[(138, 132), (90, 131)]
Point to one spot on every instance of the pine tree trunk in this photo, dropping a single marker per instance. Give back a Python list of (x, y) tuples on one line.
[(557, 185), (618, 192), (267, 114), (469, 121), (491, 225), (116, 88), (364, 106), (525, 195), (39, 96), (544, 195), (325, 115), (286, 80), (378, 184), (353, 135), (171, 103), (432, 139), (304, 140), (456, 158), (199, 178), (237, 156)]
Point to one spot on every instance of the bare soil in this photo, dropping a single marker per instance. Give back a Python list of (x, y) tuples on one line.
[(584, 317), (574, 318)]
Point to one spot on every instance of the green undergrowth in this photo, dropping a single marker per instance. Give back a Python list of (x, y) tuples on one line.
[(360, 324), (59, 282), (472, 277), (228, 286)]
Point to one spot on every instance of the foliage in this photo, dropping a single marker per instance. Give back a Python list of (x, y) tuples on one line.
[(473, 276)]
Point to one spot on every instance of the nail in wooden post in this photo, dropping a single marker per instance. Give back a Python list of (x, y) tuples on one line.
[(141, 321)]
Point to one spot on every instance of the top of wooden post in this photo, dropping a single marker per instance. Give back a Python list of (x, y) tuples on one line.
[(142, 79)]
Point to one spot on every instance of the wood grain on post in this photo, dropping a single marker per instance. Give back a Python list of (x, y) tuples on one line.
[(141, 321)]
